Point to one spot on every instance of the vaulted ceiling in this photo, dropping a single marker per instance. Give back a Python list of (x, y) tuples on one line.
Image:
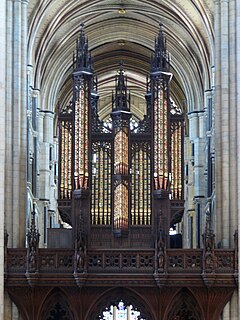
[(121, 30)]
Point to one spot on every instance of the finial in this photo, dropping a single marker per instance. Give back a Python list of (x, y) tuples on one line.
[(82, 58), (121, 65), (160, 61), (160, 28), (120, 72), (82, 34), (33, 215), (208, 220)]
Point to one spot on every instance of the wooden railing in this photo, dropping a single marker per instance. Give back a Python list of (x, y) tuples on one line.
[(133, 261)]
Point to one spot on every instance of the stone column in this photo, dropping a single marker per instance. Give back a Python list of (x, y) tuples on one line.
[(196, 187), (227, 61), (209, 151), (53, 183), (16, 122), (29, 146), (8, 111), (2, 146), (226, 124), (238, 127), (32, 147), (189, 151), (45, 223), (218, 147), (16, 129), (23, 128), (44, 170), (188, 192), (233, 124), (225, 129)]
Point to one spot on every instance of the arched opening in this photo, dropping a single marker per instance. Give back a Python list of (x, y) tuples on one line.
[(184, 307), (56, 307), (121, 311), (120, 304)]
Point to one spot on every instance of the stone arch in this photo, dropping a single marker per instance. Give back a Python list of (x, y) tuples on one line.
[(128, 296), (184, 306), (56, 307), (190, 45)]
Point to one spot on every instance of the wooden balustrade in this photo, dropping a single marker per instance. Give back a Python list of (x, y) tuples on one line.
[(134, 261)]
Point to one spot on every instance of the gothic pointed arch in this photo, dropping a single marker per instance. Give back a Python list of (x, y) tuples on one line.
[(129, 297), (184, 306), (56, 307)]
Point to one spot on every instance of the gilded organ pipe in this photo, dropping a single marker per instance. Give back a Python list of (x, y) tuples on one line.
[(81, 139), (176, 160), (160, 132), (66, 158), (160, 78), (121, 130)]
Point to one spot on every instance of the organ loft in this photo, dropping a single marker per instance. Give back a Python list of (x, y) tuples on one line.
[(120, 194)]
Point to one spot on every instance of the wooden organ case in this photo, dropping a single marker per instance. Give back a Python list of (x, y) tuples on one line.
[(121, 186)]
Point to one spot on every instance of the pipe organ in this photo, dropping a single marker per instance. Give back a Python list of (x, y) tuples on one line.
[(120, 167)]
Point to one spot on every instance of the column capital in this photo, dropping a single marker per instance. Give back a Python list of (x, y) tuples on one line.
[(47, 113), (29, 67), (46, 203), (195, 113), (35, 92)]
